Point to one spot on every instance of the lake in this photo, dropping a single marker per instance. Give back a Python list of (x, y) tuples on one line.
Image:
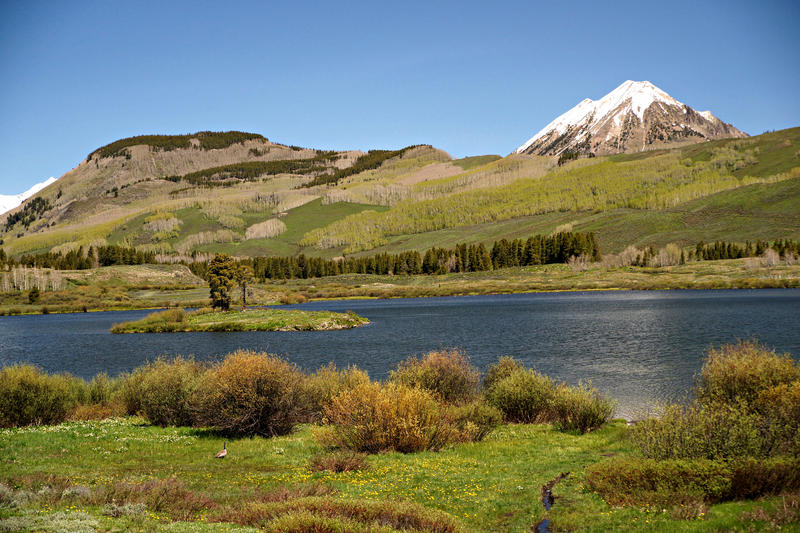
[(635, 346)]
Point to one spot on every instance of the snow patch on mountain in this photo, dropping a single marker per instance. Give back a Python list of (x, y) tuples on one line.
[(641, 94), (9, 202), (618, 119)]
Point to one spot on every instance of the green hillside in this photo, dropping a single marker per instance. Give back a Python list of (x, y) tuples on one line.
[(239, 193)]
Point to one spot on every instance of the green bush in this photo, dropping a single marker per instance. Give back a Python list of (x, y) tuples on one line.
[(635, 481), (523, 396), (475, 420), (166, 390), (446, 373), (753, 478), (327, 382), (102, 389), (723, 431), (30, 396), (129, 393), (779, 408), (503, 368), (739, 372), (251, 393), (580, 408), (373, 418)]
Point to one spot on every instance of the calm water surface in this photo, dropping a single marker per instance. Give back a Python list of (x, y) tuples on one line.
[(636, 346)]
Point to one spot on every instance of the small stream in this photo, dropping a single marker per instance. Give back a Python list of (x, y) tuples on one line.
[(543, 526)]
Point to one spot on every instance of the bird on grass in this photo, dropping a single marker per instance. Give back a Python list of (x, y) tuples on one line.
[(223, 452)]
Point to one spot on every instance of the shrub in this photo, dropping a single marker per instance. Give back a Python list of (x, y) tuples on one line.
[(339, 461), (739, 372), (327, 382), (251, 393), (168, 495), (503, 368), (723, 431), (580, 408), (753, 478), (446, 373), (326, 514), (292, 298), (635, 481), (130, 393), (30, 396), (102, 389), (374, 418), (166, 391), (780, 408), (523, 396), (475, 420), (91, 411)]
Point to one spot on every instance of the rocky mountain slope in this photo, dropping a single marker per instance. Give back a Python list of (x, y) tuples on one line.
[(635, 116)]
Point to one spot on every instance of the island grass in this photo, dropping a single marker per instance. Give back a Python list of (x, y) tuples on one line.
[(178, 320)]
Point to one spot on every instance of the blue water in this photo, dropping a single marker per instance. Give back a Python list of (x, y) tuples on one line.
[(636, 346)]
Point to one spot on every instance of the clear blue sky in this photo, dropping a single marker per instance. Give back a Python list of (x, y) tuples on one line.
[(470, 78)]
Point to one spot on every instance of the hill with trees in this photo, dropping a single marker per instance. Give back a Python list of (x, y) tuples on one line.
[(182, 198)]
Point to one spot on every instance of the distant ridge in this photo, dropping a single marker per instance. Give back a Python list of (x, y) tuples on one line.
[(635, 116)]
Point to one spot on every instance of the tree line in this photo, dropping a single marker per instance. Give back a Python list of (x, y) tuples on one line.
[(536, 250), (209, 140), (369, 161), (83, 258), (731, 250)]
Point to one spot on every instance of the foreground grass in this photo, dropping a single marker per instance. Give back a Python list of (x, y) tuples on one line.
[(250, 320), (493, 485)]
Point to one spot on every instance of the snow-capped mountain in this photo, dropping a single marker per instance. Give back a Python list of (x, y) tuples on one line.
[(635, 116), (9, 202)]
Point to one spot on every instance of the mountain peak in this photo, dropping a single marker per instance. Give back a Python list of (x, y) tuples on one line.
[(617, 116)]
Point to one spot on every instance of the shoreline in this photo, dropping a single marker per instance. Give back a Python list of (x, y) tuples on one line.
[(699, 275)]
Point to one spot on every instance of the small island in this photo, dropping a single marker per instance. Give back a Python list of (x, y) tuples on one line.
[(178, 320)]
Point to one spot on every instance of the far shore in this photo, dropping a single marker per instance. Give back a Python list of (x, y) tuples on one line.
[(701, 275)]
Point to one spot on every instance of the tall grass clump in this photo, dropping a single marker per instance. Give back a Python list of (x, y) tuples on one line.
[(30, 396), (374, 418), (251, 393), (741, 371), (448, 374), (166, 390), (159, 322), (580, 408)]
